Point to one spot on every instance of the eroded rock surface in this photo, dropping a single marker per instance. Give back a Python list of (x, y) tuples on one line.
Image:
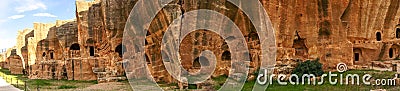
[(355, 32)]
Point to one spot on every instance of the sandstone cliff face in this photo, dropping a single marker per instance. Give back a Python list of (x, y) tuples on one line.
[(100, 28), (51, 51), (333, 30), (41, 31), (355, 32)]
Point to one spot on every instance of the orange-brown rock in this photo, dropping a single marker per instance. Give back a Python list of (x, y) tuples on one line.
[(355, 32), (15, 63)]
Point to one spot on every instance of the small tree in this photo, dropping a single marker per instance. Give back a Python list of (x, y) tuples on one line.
[(308, 67)]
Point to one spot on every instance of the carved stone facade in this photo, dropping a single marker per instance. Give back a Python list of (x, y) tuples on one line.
[(355, 32)]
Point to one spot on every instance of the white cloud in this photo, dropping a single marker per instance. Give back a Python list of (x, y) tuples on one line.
[(30, 5), (16, 17), (44, 15)]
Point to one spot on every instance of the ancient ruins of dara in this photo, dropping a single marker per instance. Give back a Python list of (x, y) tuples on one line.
[(89, 47)]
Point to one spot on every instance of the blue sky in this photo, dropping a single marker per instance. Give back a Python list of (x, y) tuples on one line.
[(20, 14)]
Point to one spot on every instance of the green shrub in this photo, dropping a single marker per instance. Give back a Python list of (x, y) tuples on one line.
[(192, 86), (308, 67), (66, 87)]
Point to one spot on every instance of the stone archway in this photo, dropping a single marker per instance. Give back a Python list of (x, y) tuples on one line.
[(75, 46), (75, 50)]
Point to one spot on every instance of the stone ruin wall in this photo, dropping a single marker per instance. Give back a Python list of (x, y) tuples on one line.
[(21, 44), (6, 62), (15, 63), (41, 31), (332, 30), (24, 50)]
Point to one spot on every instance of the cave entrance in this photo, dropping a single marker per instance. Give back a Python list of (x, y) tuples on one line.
[(51, 55), (75, 47), (378, 36), (357, 54), (397, 32), (391, 53), (120, 49), (226, 56), (91, 51)]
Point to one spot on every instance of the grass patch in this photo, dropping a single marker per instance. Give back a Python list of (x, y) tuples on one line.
[(41, 82), (46, 85), (219, 81), (66, 87)]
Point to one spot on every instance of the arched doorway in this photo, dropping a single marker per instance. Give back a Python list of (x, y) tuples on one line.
[(391, 51), (378, 36), (75, 47), (75, 50)]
